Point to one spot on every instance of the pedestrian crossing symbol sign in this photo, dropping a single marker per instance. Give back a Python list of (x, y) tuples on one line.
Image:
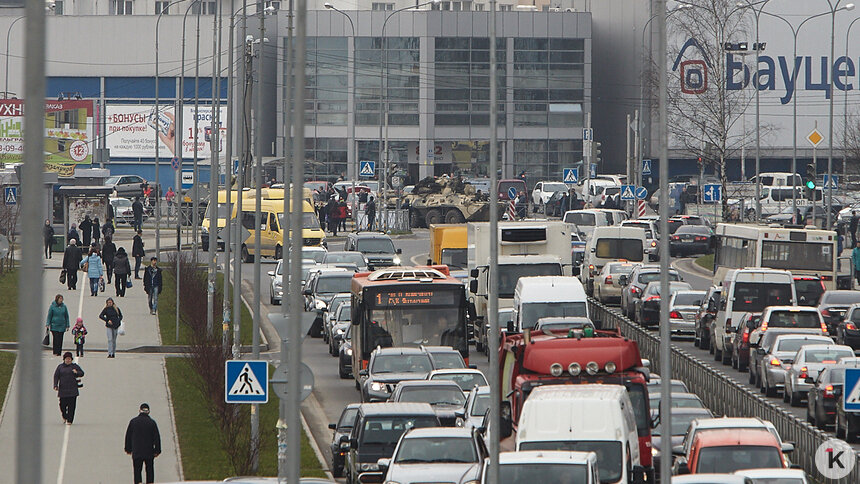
[(246, 381), (10, 194), (852, 389), (627, 192), (366, 169), (571, 176)]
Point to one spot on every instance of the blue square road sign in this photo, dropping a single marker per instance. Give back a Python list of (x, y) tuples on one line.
[(570, 175), (851, 391), (712, 194), (246, 381), (366, 169)]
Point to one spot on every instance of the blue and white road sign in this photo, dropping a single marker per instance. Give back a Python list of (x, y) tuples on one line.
[(570, 175), (851, 389), (646, 167), (641, 193), (366, 169), (246, 381), (627, 192), (834, 181), (187, 179), (512, 193), (175, 163), (10, 195), (712, 194), (594, 170), (587, 134)]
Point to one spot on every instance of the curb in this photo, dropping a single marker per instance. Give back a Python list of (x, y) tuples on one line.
[(694, 267), (164, 349), (9, 390), (313, 442)]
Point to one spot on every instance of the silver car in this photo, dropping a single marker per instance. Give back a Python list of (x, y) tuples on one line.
[(777, 358), (810, 360), (683, 307), (448, 454)]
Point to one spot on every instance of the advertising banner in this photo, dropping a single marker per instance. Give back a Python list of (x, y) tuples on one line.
[(68, 131), (131, 130)]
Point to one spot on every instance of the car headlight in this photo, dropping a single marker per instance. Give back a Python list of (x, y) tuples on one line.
[(376, 386), (204, 230), (369, 466), (396, 260), (655, 452), (339, 331), (459, 422), (349, 351), (320, 304)]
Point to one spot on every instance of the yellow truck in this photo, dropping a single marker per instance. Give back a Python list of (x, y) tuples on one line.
[(448, 245)]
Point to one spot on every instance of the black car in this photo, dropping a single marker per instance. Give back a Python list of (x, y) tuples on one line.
[(691, 239), (378, 427), (834, 304), (741, 341), (446, 398), (344, 360), (821, 399), (809, 290), (648, 306), (339, 448), (705, 317), (377, 248), (847, 332), (390, 366)]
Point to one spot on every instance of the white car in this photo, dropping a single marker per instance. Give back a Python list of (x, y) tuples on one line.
[(768, 476), (276, 290), (544, 190), (606, 285), (808, 362), (465, 378)]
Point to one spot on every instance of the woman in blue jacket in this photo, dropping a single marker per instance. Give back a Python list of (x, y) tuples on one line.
[(94, 270)]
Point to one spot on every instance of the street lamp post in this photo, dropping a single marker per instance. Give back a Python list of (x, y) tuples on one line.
[(383, 85), (8, 32), (351, 154), (833, 9), (845, 110)]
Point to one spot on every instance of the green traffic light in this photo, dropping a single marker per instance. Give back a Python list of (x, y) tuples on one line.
[(810, 184)]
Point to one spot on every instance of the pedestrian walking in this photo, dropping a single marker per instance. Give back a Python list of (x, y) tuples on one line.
[(57, 322), (852, 227), (93, 267), (152, 284), (110, 215), (97, 231), (332, 212), (143, 444), (170, 196), (73, 233), (66, 385), (342, 214), (79, 333), (121, 271), (48, 236), (137, 252), (108, 256), (137, 212), (86, 227), (370, 212), (71, 263), (112, 316)]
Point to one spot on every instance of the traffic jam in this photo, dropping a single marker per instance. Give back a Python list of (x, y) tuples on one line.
[(580, 402)]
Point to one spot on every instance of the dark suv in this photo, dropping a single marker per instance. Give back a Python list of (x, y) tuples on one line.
[(339, 445), (377, 429), (377, 248), (390, 366)]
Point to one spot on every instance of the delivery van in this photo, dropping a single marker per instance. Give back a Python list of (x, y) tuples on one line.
[(538, 297)]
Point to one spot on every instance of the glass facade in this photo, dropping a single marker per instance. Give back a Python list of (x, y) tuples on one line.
[(545, 159), (325, 157), (548, 82), (327, 76), (397, 60), (462, 82)]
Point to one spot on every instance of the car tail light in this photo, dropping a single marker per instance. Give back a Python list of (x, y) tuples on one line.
[(745, 337), (675, 237), (826, 278), (828, 391), (675, 314), (803, 372), (608, 280), (823, 327), (700, 239), (850, 326), (825, 313), (775, 362), (652, 298), (635, 290)]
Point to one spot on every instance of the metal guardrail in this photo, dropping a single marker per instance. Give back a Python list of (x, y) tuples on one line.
[(725, 396)]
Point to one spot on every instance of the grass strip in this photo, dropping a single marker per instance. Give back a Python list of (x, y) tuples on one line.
[(706, 261), (199, 442), (7, 363), (9, 306)]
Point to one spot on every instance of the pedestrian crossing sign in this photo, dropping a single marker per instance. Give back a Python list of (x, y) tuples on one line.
[(571, 175), (627, 192), (10, 195), (851, 390), (246, 381), (366, 169)]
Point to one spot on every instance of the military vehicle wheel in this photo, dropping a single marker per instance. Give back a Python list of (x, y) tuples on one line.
[(415, 219), (454, 216), (434, 216)]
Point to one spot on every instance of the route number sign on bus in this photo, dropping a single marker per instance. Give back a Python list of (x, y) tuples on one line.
[(415, 298)]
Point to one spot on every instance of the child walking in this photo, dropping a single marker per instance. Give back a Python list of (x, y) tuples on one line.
[(79, 332)]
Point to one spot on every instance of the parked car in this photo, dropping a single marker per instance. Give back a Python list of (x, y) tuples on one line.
[(635, 283), (741, 341), (833, 304), (776, 356), (826, 389), (691, 239), (446, 454), (648, 306), (376, 247), (808, 362), (122, 211), (791, 317), (445, 396), (724, 451), (340, 448), (683, 306), (390, 366), (544, 190)]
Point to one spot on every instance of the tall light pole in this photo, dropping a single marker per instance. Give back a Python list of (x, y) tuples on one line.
[(493, 302), (383, 113), (834, 7), (8, 32), (351, 154), (214, 158), (845, 110)]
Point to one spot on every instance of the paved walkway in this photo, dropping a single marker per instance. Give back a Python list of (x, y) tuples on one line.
[(91, 450)]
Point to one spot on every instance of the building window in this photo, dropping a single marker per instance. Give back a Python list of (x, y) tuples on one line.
[(122, 7), (274, 4), (400, 57), (57, 7), (479, 7), (326, 157), (462, 82), (545, 159), (327, 81), (162, 8), (382, 6), (208, 8), (548, 82), (505, 8)]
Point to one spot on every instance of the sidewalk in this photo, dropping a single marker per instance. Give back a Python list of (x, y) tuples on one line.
[(91, 450)]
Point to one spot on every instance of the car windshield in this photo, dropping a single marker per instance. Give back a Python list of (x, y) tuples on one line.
[(509, 274), (433, 395), (375, 246), (608, 454), (554, 187), (736, 457), (350, 257), (793, 319), (466, 381), (401, 364), (347, 418), (564, 325), (646, 277), (791, 345), (674, 225), (686, 299), (387, 430), (531, 312), (424, 450), (677, 402), (620, 268), (675, 387), (580, 219), (113, 180), (753, 297), (841, 298), (314, 255), (827, 356), (530, 473), (836, 375), (654, 289), (612, 248), (309, 220), (455, 258), (343, 313), (121, 202), (808, 291), (334, 283), (447, 361), (680, 423), (482, 404)]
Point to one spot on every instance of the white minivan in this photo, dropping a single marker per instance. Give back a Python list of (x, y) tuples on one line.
[(584, 418), (748, 291), (538, 297), (608, 244)]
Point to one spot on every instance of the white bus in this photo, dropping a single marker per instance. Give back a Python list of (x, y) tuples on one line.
[(800, 251)]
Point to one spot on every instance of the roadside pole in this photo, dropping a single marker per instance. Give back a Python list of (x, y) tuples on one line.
[(240, 175), (628, 160), (29, 428), (493, 303), (586, 152), (637, 163), (214, 158), (229, 222)]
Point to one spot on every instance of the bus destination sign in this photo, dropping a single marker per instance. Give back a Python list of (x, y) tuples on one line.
[(417, 297)]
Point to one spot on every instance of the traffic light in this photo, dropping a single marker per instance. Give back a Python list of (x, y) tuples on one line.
[(595, 153), (809, 181)]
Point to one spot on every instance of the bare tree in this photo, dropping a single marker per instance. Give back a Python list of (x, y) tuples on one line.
[(851, 132), (8, 228)]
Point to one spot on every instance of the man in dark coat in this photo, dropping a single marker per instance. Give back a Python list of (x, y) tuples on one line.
[(48, 236), (73, 233), (852, 227), (108, 253), (143, 444), (152, 284), (332, 212), (137, 211), (370, 212), (72, 258), (137, 252), (86, 231)]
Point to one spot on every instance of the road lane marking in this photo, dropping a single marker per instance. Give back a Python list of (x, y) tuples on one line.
[(62, 468)]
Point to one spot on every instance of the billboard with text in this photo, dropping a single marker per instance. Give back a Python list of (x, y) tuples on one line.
[(131, 130), (68, 131)]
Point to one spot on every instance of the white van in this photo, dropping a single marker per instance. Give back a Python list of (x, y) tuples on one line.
[(547, 296), (545, 466), (587, 220), (584, 418), (608, 244), (748, 290)]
